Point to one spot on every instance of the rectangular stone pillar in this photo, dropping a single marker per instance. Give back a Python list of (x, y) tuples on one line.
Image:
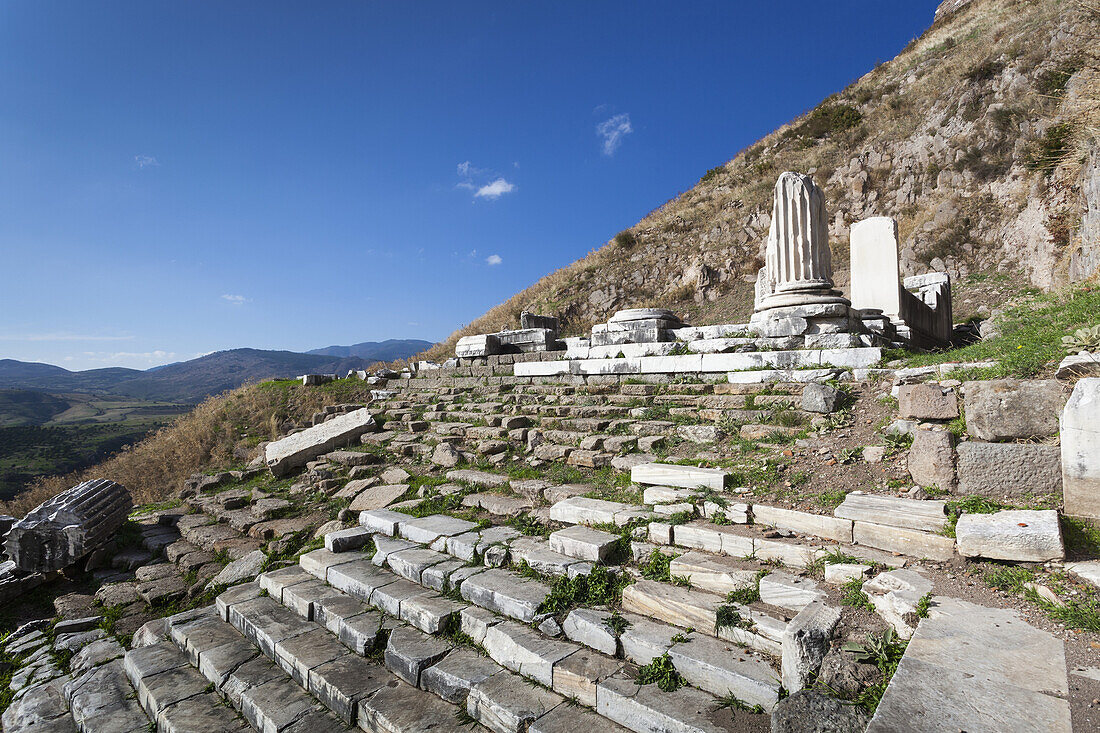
[(1080, 427), (876, 279)]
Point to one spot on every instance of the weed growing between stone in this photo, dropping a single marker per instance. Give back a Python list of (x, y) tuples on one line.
[(854, 595), (731, 702), (656, 566), (883, 650), (661, 672)]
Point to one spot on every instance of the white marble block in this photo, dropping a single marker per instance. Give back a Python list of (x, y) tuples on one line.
[(1080, 433), (874, 265)]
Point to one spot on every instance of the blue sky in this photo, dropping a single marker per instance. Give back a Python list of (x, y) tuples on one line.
[(183, 177)]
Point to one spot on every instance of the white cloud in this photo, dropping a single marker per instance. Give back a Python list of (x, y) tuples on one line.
[(61, 337), (235, 299), (493, 260), (613, 130), (485, 183), (145, 161), (495, 190)]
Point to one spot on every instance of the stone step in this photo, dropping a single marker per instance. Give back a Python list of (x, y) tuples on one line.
[(891, 511), (699, 610), (735, 542), (102, 699), (271, 689), (582, 510), (713, 573), (174, 694), (978, 669), (569, 669)]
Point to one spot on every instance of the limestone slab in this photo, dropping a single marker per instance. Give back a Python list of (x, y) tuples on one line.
[(506, 593), (905, 541), (672, 604), (286, 454), (402, 708), (713, 573), (505, 703), (409, 652), (895, 596), (576, 676), (524, 650), (806, 641), (646, 709), (789, 591), (359, 579), (426, 530), (1008, 469), (662, 474), (452, 677), (720, 668), (925, 515), (584, 543), (1018, 535), (384, 521), (571, 719), (977, 669), (588, 626), (832, 528)]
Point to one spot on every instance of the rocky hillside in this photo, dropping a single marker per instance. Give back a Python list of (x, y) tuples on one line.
[(980, 138)]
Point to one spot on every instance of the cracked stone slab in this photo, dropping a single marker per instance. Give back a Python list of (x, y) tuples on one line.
[(506, 593), (973, 668), (452, 677), (720, 668), (524, 650), (576, 676), (505, 703), (646, 709), (1017, 535)]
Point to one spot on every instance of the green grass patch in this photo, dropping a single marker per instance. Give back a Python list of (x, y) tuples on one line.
[(1031, 335), (853, 595), (656, 566)]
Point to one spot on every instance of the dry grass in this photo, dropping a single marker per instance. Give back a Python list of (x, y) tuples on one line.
[(221, 432)]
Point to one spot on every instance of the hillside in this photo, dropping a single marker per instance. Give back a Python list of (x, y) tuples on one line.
[(370, 351), (980, 137), (189, 382)]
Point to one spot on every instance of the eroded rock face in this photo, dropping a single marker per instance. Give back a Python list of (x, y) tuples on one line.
[(67, 527)]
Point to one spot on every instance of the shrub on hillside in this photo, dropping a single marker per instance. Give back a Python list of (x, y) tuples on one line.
[(625, 239), (828, 119)]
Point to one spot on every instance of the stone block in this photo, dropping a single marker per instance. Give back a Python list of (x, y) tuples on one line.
[(720, 668), (841, 573), (820, 398), (647, 709), (895, 596), (505, 703), (806, 642), (285, 455), (788, 591), (589, 627), (928, 402), (409, 652), (1008, 469), (1007, 409), (833, 528), (1080, 452), (584, 543), (713, 573), (911, 542), (475, 346), (452, 677), (1018, 535), (975, 668), (525, 651), (925, 515), (932, 459), (577, 676), (678, 476)]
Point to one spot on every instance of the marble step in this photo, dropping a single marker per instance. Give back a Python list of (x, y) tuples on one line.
[(174, 694), (282, 690), (698, 610), (568, 668), (103, 700), (582, 510)]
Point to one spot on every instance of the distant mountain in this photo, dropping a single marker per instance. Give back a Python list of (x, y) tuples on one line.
[(47, 377), (26, 407), (388, 350), (184, 382), (191, 381)]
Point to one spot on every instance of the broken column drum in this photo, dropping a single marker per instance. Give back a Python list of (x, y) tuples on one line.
[(67, 527), (798, 264)]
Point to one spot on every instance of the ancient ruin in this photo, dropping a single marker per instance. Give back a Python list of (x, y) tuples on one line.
[(68, 527)]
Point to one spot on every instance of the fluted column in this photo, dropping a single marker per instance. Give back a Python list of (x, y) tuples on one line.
[(797, 254)]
